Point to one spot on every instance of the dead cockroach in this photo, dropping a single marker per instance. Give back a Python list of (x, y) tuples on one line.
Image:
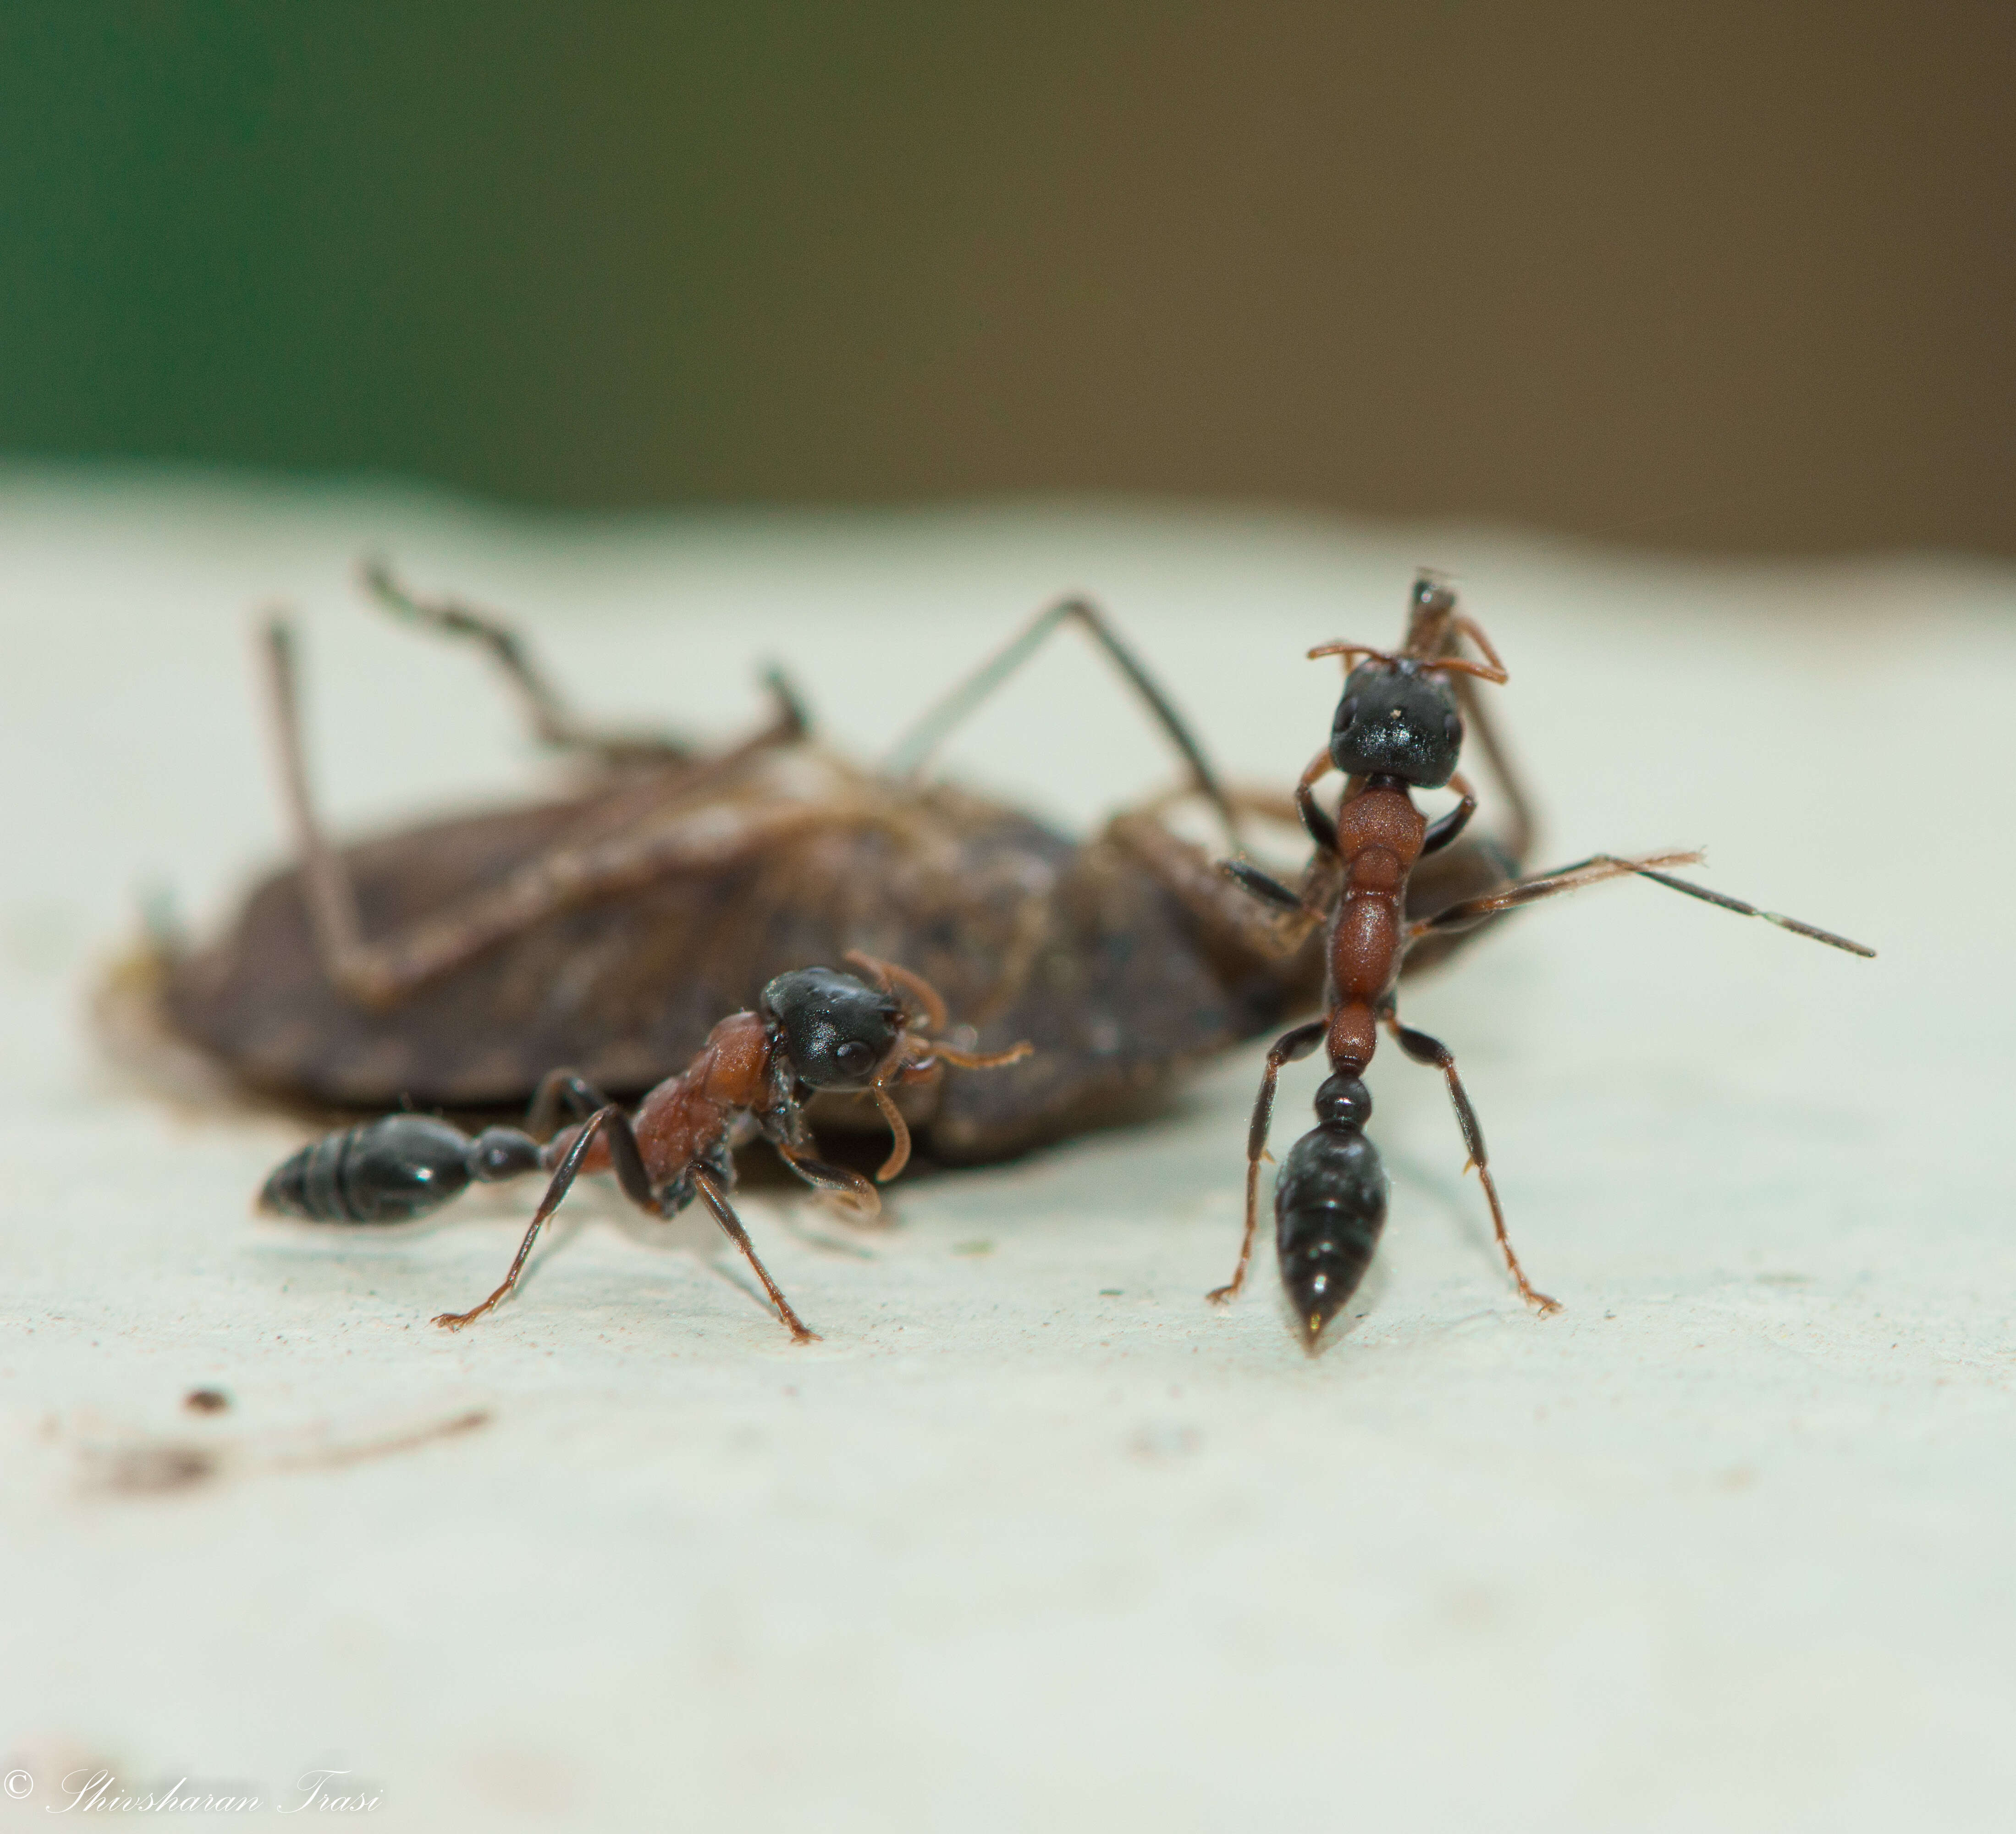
[(813, 1029), (453, 964), (1398, 729)]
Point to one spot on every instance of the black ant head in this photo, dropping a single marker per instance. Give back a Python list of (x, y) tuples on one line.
[(1397, 720), (836, 1031)]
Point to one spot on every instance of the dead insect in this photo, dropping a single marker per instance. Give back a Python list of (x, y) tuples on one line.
[(813, 1029), (1398, 729), (453, 964)]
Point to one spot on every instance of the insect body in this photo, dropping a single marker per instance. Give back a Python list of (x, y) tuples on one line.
[(813, 1029), (1398, 729), (453, 964)]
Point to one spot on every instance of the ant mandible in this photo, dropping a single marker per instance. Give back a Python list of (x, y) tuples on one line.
[(813, 1029), (1398, 729)]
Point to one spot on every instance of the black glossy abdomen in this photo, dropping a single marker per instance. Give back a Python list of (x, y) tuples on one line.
[(384, 1171), (1329, 1205)]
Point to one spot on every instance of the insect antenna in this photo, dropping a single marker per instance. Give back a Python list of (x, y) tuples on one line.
[(917, 1055)]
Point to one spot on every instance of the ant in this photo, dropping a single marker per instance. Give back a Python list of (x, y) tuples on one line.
[(1398, 729), (813, 1029)]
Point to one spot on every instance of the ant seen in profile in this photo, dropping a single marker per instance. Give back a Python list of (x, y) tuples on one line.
[(1398, 729), (813, 1029)]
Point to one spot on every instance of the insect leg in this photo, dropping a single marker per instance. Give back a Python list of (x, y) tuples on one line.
[(610, 1124), (567, 877), (1425, 1050), (381, 972), (1481, 724), (562, 1092), (1600, 867), (1323, 830), (1252, 923), (1446, 828), (1770, 917), (914, 750), (1263, 885), (1475, 865), (837, 1178), (1592, 871), (552, 721), (546, 713), (716, 1200), (1288, 1048), (331, 899)]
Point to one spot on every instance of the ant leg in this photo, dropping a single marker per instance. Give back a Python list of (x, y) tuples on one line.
[(1770, 917), (837, 1178), (1517, 841), (1473, 866), (1592, 871), (716, 1200), (1493, 670), (382, 972), (1446, 828), (1323, 830), (1475, 863), (1425, 1050), (1289, 1048), (914, 750), (562, 1092), (1264, 886), (1600, 867), (609, 1123)]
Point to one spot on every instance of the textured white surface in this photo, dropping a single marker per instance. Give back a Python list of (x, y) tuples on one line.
[(1035, 1536)]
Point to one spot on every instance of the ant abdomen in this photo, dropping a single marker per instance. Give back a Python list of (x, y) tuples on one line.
[(1329, 1205), (393, 1170)]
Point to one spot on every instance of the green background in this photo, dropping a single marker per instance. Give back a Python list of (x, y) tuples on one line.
[(1721, 275)]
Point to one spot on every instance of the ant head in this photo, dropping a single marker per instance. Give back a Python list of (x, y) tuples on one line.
[(1397, 720), (837, 1032)]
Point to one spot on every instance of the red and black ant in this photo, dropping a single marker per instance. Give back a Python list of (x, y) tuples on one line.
[(813, 1029), (1398, 729)]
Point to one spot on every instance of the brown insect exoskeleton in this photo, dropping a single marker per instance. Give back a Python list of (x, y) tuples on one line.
[(453, 964), (1398, 729), (813, 1029)]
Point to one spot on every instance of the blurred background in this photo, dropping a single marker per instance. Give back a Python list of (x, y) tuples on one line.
[(1720, 276)]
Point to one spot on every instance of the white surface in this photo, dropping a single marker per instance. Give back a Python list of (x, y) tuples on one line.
[(1722, 1546)]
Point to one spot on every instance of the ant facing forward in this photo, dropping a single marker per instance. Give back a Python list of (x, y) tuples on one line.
[(813, 1029), (1398, 729)]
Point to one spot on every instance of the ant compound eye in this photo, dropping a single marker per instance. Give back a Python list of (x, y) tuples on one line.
[(855, 1057)]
